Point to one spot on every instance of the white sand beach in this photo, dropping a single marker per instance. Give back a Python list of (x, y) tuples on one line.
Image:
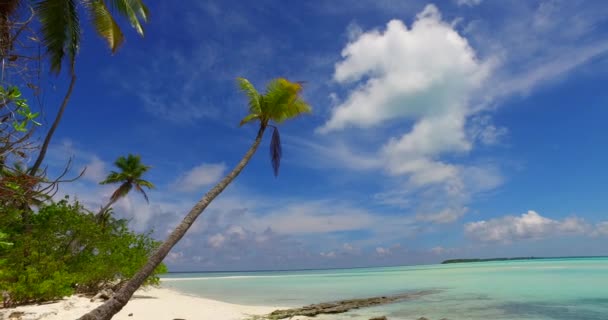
[(147, 304)]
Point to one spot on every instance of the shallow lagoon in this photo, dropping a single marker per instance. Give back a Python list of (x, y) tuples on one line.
[(548, 289)]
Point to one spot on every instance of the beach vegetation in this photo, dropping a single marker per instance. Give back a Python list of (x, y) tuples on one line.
[(50, 248), (67, 252)]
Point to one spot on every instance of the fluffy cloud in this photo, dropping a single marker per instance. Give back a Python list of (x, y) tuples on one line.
[(96, 170), (426, 77), (530, 225), (199, 176), (426, 71)]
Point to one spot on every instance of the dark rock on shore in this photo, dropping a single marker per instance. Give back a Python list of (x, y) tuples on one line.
[(345, 305), (379, 318)]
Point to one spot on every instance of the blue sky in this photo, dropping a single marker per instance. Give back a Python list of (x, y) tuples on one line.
[(462, 128)]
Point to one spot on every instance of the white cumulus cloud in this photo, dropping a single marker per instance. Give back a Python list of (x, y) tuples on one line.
[(425, 71), (530, 225), (199, 176), (426, 76)]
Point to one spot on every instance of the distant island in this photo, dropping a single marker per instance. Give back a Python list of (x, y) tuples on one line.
[(513, 258)]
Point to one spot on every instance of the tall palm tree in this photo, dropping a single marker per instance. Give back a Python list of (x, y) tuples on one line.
[(60, 28), (129, 177), (280, 102)]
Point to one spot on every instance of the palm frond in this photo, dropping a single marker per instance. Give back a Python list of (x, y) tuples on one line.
[(105, 25), (60, 29), (280, 96), (113, 177), (276, 96), (249, 118), (122, 162), (144, 183), (254, 97), (132, 10), (295, 109), (141, 190), (275, 151)]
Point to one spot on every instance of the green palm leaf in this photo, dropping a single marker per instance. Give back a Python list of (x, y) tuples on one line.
[(105, 24), (60, 28), (113, 177), (133, 10), (253, 95), (249, 118)]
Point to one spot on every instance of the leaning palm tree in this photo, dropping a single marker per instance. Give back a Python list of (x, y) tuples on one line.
[(129, 177), (60, 28), (280, 102)]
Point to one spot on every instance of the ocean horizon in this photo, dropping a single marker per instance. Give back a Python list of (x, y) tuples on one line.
[(541, 289)]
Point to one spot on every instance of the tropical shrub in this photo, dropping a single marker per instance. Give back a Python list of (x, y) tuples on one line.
[(66, 251)]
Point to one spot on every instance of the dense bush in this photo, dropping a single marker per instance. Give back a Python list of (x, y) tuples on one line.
[(66, 250)]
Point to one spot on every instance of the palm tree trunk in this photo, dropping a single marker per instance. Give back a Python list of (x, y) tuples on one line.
[(49, 135), (111, 307)]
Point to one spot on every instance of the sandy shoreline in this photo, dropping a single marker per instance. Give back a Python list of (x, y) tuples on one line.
[(147, 304)]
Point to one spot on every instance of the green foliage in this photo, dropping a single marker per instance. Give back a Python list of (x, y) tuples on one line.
[(66, 251), (4, 244), (21, 108), (15, 110)]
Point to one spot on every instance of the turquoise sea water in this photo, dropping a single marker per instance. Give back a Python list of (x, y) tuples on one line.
[(552, 289)]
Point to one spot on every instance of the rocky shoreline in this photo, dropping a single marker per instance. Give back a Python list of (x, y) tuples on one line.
[(345, 305)]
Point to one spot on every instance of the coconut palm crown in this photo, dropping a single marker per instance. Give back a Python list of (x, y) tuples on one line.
[(129, 177), (280, 102)]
